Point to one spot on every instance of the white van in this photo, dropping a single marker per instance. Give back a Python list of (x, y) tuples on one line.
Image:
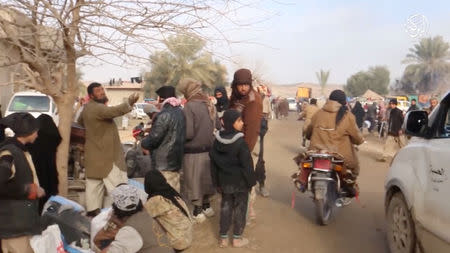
[(33, 102)]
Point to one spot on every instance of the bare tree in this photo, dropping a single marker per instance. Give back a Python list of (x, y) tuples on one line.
[(46, 38)]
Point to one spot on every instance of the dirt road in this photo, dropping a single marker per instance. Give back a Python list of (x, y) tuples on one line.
[(279, 228)]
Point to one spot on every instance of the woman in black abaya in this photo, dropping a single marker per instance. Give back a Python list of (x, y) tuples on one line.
[(43, 152)]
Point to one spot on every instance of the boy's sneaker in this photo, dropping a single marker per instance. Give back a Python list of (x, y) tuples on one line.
[(199, 218), (240, 242), (209, 212)]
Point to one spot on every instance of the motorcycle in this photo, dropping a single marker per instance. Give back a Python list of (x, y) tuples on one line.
[(324, 175)]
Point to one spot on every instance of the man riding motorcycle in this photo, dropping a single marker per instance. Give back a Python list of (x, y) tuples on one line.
[(333, 128)]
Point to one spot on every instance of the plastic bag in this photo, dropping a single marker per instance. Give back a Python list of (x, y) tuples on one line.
[(48, 242)]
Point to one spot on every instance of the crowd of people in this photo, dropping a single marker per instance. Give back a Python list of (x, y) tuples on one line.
[(195, 149)]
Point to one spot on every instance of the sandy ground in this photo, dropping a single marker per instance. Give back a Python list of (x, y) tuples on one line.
[(280, 228)]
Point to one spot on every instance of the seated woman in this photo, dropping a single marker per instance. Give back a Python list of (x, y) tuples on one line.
[(139, 233), (166, 206)]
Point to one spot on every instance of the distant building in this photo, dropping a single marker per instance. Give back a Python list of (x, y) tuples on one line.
[(119, 93)]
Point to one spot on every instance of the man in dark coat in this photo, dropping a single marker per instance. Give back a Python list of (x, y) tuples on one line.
[(413, 106), (19, 186), (166, 138), (359, 113), (394, 139)]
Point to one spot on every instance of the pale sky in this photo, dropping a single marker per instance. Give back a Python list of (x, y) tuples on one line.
[(299, 38)]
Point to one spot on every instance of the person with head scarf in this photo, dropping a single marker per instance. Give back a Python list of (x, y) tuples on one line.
[(43, 151), (359, 113), (139, 232), (165, 140), (19, 185), (333, 128), (233, 175), (249, 103), (166, 206), (200, 116), (220, 93)]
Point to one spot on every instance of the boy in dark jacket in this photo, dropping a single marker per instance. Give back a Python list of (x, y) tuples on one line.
[(233, 174)]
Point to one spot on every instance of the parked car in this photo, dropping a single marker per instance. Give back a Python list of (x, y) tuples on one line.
[(292, 104), (138, 111), (418, 185), (33, 102)]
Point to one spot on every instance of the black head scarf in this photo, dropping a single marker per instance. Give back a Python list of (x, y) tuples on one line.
[(223, 102), (22, 123), (340, 97), (156, 184)]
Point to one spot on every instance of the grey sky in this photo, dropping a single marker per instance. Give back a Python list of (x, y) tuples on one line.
[(299, 38)]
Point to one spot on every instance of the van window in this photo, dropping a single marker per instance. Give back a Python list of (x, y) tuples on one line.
[(30, 104)]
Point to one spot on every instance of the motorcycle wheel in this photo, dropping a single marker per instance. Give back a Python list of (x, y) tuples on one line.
[(324, 204), (323, 212)]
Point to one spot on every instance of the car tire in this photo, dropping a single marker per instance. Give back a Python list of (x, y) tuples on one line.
[(400, 232)]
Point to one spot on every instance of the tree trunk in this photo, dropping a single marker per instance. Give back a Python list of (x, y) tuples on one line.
[(65, 110)]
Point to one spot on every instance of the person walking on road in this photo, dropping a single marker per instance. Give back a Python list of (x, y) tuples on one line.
[(104, 156), (394, 139), (200, 115), (19, 186), (249, 103), (310, 110), (165, 142), (359, 113), (372, 115), (233, 175)]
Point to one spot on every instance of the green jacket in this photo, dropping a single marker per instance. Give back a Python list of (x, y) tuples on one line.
[(102, 148)]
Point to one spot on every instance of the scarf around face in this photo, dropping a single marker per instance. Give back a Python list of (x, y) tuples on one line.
[(155, 184)]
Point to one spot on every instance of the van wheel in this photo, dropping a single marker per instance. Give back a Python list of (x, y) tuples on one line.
[(401, 234)]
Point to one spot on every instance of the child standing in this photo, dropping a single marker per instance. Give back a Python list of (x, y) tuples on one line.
[(233, 174)]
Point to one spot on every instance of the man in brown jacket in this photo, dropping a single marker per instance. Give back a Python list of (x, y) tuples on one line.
[(309, 111), (334, 128), (103, 153), (249, 103)]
